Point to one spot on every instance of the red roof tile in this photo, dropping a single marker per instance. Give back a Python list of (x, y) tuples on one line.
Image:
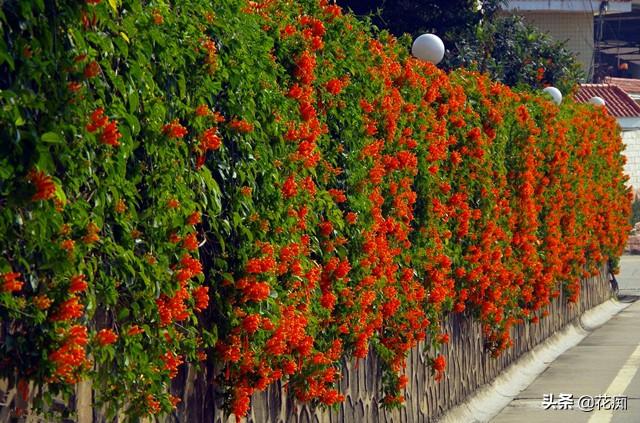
[(628, 85), (617, 102)]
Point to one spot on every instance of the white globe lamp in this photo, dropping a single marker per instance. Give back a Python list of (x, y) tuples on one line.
[(597, 101), (555, 94), (428, 48)]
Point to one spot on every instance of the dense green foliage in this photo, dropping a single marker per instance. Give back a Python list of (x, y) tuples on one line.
[(260, 189)]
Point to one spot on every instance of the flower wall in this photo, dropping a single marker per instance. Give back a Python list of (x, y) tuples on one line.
[(260, 189)]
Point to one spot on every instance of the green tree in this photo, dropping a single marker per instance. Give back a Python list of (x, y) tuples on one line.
[(516, 53), (447, 18), (478, 37)]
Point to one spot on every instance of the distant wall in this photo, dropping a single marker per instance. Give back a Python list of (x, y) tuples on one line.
[(632, 152), (575, 28)]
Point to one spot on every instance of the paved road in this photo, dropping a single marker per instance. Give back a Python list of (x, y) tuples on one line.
[(604, 364)]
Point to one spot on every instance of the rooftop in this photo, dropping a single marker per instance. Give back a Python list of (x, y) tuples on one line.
[(628, 85), (617, 102)]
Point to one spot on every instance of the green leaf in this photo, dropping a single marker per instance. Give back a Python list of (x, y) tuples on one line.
[(134, 101), (6, 58), (123, 313), (52, 137)]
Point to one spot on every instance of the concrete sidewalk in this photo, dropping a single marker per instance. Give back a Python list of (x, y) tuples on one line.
[(606, 362)]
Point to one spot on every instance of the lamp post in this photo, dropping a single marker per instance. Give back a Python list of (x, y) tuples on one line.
[(555, 94), (428, 48), (597, 101)]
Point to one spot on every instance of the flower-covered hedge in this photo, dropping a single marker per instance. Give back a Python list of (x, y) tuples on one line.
[(265, 188)]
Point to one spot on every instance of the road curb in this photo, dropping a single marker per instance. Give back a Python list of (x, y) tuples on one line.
[(489, 400)]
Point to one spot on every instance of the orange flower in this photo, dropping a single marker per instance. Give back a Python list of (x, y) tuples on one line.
[(11, 283), (92, 70), (135, 330), (98, 120), (194, 218), (334, 86), (42, 302), (70, 309), (157, 17), (174, 129), (218, 118), (71, 355), (246, 191), (120, 206), (210, 140), (438, 365), (78, 284), (190, 242), (211, 59), (45, 187), (174, 401), (289, 188), (203, 110), (65, 229), (74, 86), (241, 125), (111, 135), (68, 245), (152, 404), (173, 203), (201, 297), (171, 363), (305, 66), (92, 234), (251, 323), (106, 337)]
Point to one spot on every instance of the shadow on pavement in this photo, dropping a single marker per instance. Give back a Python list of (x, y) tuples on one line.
[(626, 298)]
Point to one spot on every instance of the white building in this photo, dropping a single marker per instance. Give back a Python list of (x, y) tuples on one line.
[(568, 20)]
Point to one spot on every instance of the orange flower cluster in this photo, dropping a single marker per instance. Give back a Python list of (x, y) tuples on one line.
[(10, 282), (78, 284), (68, 310), (171, 363), (91, 236), (210, 140), (201, 297), (70, 357), (110, 134), (92, 69), (240, 125), (341, 199), (174, 129), (414, 215), (45, 187), (106, 337)]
